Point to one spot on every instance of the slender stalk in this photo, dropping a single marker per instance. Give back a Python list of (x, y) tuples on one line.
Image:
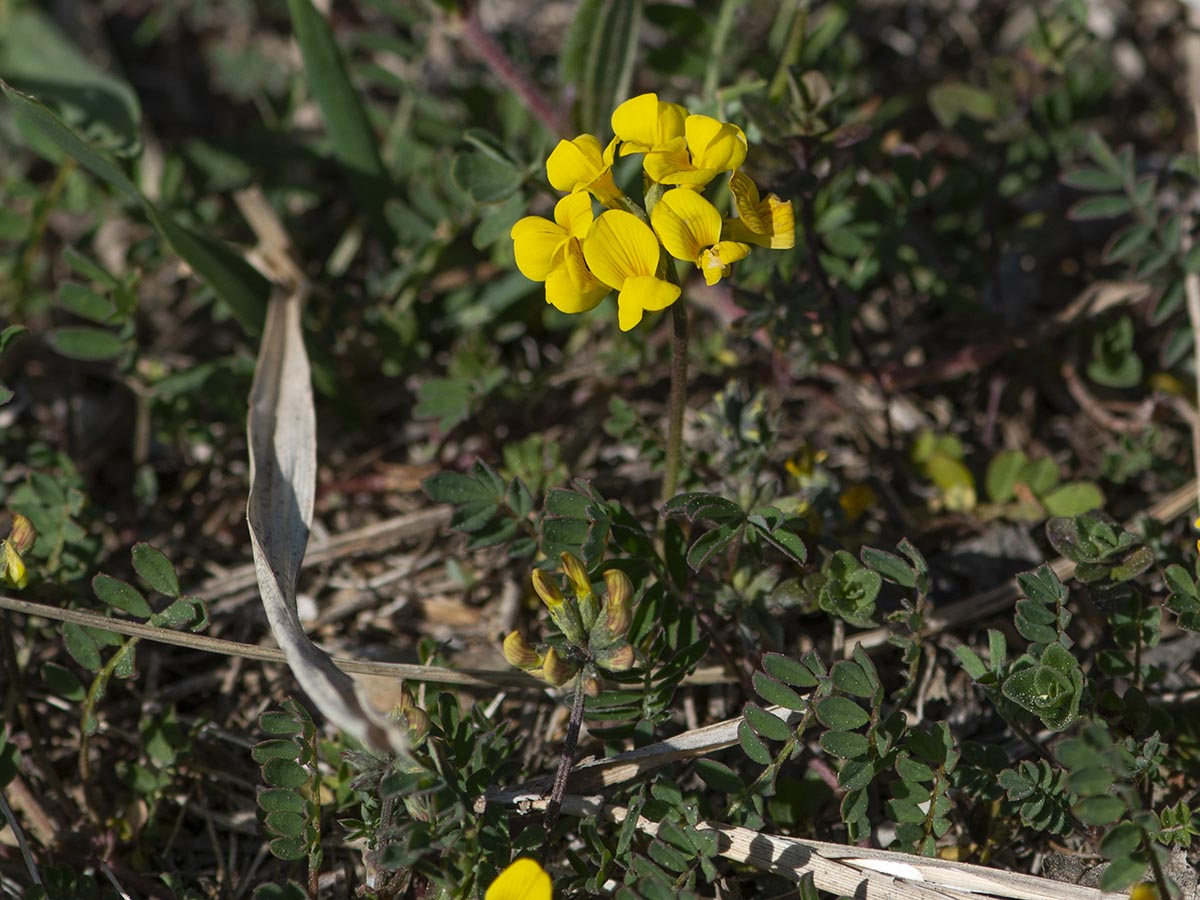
[(19, 837), (678, 397), (554, 806), (503, 67)]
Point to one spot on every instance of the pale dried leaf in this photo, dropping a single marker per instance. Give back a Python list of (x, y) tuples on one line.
[(282, 432)]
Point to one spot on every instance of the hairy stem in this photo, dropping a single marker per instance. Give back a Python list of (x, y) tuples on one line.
[(554, 806), (678, 397)]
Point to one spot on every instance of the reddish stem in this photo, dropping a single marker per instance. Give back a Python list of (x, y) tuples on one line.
[(502, 66)]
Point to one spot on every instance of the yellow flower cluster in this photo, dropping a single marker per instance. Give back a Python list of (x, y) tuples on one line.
[(594, 627), (582, 257)]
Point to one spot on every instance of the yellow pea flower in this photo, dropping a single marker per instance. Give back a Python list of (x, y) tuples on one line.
[(552, 252), (622, 251), (690, 228), (12, 568), (856, 500), (645, 123), (707, 147), (523, 880), (768, 223), (582, 165)]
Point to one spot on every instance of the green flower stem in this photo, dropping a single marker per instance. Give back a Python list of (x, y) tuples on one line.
[(678, 397)]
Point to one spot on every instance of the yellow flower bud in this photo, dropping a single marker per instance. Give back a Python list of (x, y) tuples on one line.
[(417, 721), (548, 590), (577, 575), (619, 658), (593, 685), (407, 700), (618, 604), (23, 533), (12, 568), (555, 669), (520, 653)]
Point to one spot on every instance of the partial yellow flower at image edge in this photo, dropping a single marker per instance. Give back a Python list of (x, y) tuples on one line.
[(524, 879), (623, 252)]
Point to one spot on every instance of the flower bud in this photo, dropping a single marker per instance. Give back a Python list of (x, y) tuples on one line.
[(520, 653), (564, 612), (555, 669), (577, 575), (593, 685), (12, 567), (417, 721), (618, 658), (23, 533), (407, 700), (618, 603), (547, 589)]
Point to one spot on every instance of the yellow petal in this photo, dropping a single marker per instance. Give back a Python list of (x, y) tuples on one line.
[(782, 230), (641, 293), (523, 880), (714, 145), (570, 286), (573, 164), (768, 223), (645, 122), (534, 241), (668, 160), (12, 567), (745, 201), (610, 152), (686, 223), (620, 246), (715, 261), (573, 213)]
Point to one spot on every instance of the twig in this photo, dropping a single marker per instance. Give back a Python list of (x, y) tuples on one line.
[(1095, 410), (486, 48), (373, 538), (1093, 300), (846, 871), (19, 835), (601, 774), (1000, 598), (464, 679)]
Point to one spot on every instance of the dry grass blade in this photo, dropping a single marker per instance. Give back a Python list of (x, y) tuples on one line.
[(605, 773), (282, 433), (846, 871), (481, 680)]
